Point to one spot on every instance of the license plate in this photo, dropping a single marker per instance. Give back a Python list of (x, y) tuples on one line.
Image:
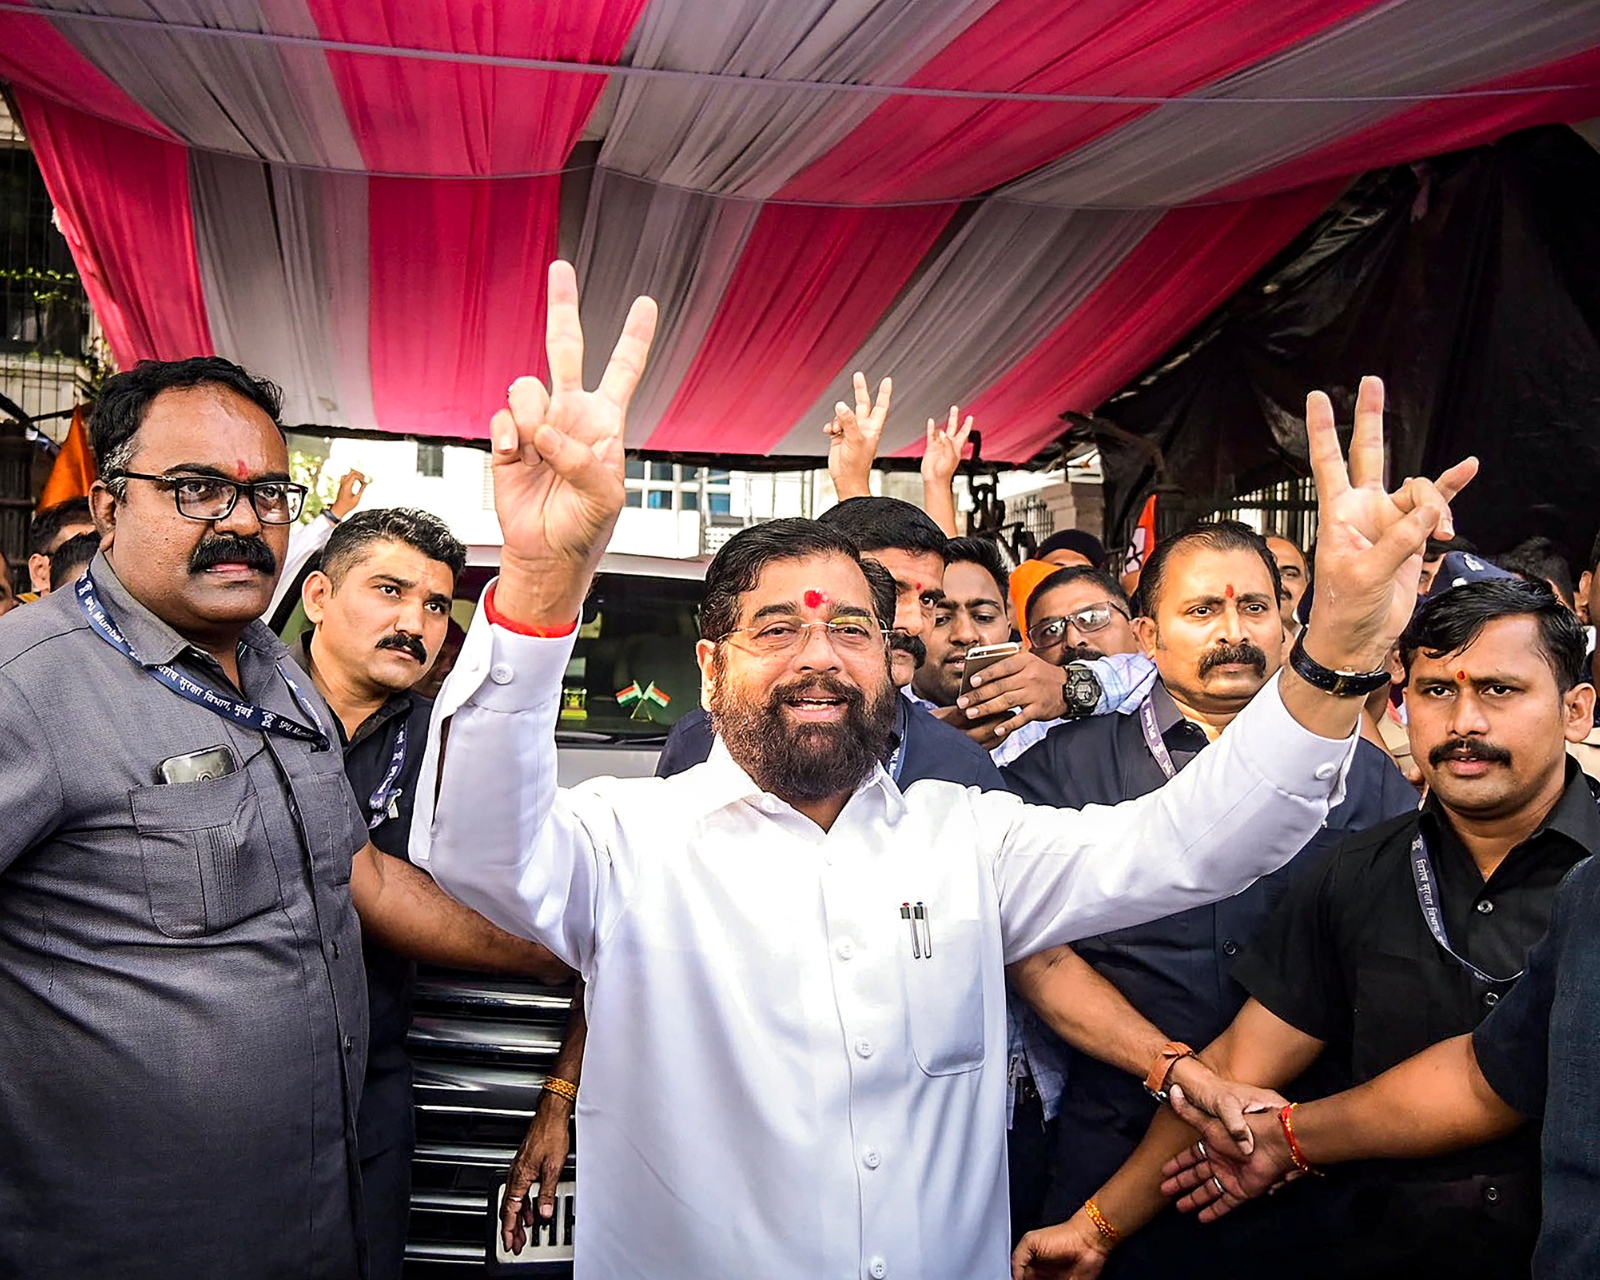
[(547, 1241)]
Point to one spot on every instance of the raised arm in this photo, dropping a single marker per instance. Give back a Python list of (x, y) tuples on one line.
[(941, 459), (497, 835), (1245, 806), (853, 437)]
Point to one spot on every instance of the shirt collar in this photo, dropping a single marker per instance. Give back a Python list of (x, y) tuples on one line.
[(396, 704), (916, 699), (723, 782), (154, 641), (1575, 816)]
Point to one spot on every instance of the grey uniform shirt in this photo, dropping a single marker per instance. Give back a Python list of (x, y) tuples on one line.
[(182, 1004)]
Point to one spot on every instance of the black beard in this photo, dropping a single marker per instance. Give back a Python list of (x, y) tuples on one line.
[(805, 762), (1243, 652), (225, 548), (406, 644)]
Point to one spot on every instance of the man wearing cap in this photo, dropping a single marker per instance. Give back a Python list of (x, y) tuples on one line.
[(1070, 547)]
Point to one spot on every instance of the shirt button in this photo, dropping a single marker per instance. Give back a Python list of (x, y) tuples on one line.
[(877, 1269), (846, 948), (1324, 771), (500, 673), (1491, 1194), (349, 1044), (871, 1158), (1485, 907), (863, 1048), (335, 950), (1491, 999), (1230, 947)]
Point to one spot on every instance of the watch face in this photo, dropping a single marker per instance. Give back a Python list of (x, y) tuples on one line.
[(1083, 690)]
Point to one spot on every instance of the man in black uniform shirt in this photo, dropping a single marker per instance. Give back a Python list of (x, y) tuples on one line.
[(1352, 969), (1130, 1002), (379, 606)]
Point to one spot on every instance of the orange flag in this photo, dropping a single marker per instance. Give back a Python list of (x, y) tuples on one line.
[(73, 474), (1139, 549)]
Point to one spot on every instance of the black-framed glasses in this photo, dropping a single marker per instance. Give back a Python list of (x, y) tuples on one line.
[(1047, 633), (213, 498), (848, 635)]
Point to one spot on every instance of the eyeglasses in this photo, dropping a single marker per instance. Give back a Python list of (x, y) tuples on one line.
[(848, 635), (1047, 633), (211, 498)]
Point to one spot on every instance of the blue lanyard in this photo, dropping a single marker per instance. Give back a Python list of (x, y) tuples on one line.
[(1152, 739), (1422, 873), (380, 800), (241, 712)]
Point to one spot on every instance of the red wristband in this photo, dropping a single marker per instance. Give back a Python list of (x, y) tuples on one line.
[(1286, 1122), (500, 620)]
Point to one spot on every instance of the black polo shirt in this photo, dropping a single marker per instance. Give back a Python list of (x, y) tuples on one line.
[(1175, 970), (931, 749), (385, 1117), (1537, 1051)]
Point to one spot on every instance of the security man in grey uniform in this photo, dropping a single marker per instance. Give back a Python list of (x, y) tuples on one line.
[(183, 1016)]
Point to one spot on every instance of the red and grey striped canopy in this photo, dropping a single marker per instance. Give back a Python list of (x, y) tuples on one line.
[(1014, 204)]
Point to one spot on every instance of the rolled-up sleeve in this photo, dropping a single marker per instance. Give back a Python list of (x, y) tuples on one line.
[(491, 825), (1239, 810)]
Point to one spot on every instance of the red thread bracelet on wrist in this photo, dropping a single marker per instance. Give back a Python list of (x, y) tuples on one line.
[(522, 629), (1286, 1122)]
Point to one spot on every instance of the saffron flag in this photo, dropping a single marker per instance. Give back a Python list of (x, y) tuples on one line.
[(73, 474)]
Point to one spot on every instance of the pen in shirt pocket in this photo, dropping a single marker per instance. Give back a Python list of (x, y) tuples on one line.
[(916, 944), (920, 917)]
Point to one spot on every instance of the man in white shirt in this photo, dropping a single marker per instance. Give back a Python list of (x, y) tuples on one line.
[(796, 982)]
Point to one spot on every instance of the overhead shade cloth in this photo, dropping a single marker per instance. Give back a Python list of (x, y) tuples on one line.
[(1009, 205)]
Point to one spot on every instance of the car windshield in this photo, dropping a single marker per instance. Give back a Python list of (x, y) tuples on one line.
[(633, 671)]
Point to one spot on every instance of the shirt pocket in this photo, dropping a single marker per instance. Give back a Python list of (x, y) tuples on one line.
[(944, 998), (201, 869)]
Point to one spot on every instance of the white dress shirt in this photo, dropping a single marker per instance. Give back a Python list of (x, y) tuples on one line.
[(773, 1085)]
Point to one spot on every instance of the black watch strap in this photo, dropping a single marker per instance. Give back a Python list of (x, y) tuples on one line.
[(1341, 684)]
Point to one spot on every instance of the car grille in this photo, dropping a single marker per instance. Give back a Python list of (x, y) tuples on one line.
[(481, 1046)]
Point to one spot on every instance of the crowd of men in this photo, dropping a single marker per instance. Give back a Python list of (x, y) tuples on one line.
[(894, 968)]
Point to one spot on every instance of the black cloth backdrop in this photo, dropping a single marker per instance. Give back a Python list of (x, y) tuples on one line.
[(1469, 282)]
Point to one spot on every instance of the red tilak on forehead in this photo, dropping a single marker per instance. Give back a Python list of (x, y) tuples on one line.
[(240, 470), (1461, 677), (815, 599), (1230, 591)]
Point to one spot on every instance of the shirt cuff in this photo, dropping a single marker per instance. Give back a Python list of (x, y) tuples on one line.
[(1280, 749), (500, 620)]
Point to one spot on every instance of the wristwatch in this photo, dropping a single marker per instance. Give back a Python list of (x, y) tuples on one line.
[(1155, 1083), (1080, 690), (1341, 684)]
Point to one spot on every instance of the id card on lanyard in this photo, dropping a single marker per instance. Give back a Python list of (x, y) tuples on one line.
[(227, 705), (381, 803), (1433, 915), (1153, 740)]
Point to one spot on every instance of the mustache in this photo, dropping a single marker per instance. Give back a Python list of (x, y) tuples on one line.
[(909, 644), (406, 644), (820, 686), (225, 548), (1083, 653), (1469, 748), (1243, 652)]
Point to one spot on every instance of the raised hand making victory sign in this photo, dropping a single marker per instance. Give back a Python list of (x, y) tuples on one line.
[(558, 462)]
